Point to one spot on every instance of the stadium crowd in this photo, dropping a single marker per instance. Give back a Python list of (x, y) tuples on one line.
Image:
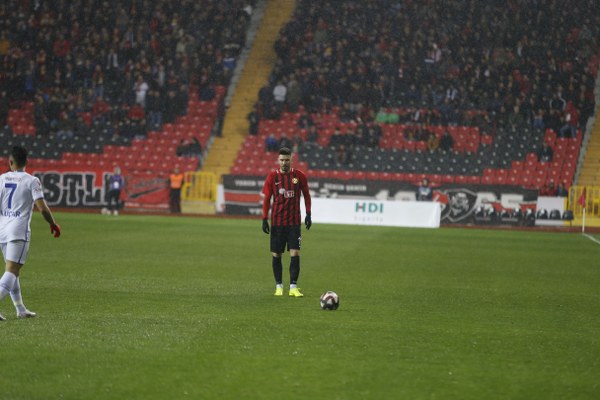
[(124, 65), (124, 68), (461, 62)]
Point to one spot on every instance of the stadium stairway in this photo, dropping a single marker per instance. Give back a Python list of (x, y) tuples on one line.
[(590, 171), (259, 64)]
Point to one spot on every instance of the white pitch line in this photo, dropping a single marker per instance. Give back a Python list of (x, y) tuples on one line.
[(593, 239)]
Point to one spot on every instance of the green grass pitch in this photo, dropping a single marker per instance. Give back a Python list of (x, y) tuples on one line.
[(153, 307)]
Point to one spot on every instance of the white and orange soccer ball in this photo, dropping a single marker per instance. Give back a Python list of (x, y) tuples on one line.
[(330, 301)]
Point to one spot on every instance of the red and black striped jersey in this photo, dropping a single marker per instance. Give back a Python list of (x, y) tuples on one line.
[(285, 189)]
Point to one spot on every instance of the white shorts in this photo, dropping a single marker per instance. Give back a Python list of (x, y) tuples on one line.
[(15, 251)]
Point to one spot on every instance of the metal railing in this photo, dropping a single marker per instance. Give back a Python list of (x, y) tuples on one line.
[(587, 197), (199, 186)]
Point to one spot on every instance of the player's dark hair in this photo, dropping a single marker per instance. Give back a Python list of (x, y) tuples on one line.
[(284, 151), (19, 155)]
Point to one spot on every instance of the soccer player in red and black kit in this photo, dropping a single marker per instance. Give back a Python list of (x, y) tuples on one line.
[(284, 185)]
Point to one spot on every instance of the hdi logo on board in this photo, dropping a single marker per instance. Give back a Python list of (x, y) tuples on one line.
[(368, 207)]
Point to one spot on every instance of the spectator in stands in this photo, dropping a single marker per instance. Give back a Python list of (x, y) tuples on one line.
[(312, 136), (254, 121), (433, 143), (375, 133), (137, 121), (410, 133), (53, 111), (571, 121), (272, 112), (555, 120), (284, 141), (229, 64), (448, 112), (112, 64), (483, 122), (293, 95), (4, 107), (557, 103), (5, 43), (413, 95), (446, 141), (561, 190), (182, 148), (207, 93), (182, 99), (336, 139), (65, 127), (81, 128), (265, 96), (248, 8), (98, 81), (153, 109), (545, 154), (515, 118), (100, 109), (305, 121), (538, 119), (424, 191), (136, 113), (415, 116), (351, 138), (139, 129), (297, 143), (170, 107), (141, 89), (279, 95), (347, 113), (358, 135), (548, 189), (423, 131), (343, 154), (271, 143), (221, 110), (195, 148), (42, 124), (125, 129)]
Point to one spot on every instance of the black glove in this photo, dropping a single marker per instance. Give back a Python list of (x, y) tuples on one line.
[(266, 226), (308, 221)]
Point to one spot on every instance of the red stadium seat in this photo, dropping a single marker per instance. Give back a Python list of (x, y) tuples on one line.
[(448, 179)]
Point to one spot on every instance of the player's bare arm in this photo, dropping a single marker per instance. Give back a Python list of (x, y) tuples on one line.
[(47, 214)]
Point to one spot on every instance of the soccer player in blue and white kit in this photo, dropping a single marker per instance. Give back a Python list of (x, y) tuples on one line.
[(19, 191)]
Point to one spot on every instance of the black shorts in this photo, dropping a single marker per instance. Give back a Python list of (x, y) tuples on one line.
[(285, 235)]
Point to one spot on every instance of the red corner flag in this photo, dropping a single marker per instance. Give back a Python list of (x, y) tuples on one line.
[(582, 198)]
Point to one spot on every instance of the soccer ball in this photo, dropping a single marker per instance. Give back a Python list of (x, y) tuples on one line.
[(330, 301)]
